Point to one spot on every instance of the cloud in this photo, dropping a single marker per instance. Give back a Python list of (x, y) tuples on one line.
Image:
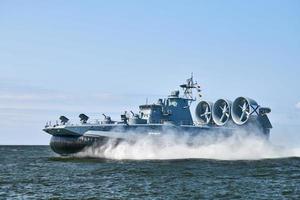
[(105, 96), (40, 104), (31, 97), (298, 105), (32, 106), (52, 97)]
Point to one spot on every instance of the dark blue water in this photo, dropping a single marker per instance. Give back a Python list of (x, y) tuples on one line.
[(34, 172)]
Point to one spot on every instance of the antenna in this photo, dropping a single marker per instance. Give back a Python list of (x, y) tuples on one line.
[(188, 88)]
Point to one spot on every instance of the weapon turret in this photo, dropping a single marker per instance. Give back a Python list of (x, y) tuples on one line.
[(63, 120), (83, 118)]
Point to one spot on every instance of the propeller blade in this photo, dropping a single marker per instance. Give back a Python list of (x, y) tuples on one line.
[(222, 117), (206, 109), (242, 116), (205, 114), (206, 117), (245, 106), (225, 108)]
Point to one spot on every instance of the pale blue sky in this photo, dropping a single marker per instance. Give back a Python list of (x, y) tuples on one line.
[(68, 57)]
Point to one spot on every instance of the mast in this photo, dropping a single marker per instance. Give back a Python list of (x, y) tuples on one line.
[(188, 89)]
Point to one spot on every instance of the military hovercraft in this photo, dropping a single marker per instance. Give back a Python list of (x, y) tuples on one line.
[(172, 113)]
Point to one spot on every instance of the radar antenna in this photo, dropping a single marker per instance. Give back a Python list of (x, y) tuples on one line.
[(188, 88)]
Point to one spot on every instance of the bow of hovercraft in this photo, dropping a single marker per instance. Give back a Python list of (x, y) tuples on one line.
[(71, 139), (65, 141)]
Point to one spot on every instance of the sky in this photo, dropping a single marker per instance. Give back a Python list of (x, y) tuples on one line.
[(71, 57)]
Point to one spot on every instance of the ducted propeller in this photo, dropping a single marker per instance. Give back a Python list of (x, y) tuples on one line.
[(203, 112), (221, 112), (241, 109)]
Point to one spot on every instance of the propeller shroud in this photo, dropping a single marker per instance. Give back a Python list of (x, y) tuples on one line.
[(204, 112), (221, 111), (241, 109)]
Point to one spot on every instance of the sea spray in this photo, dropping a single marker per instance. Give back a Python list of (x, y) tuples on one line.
[(237, 146)]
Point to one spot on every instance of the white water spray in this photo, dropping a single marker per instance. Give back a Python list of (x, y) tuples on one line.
[(238, 146)]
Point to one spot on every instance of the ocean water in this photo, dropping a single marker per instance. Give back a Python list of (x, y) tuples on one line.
[(35, 172)]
